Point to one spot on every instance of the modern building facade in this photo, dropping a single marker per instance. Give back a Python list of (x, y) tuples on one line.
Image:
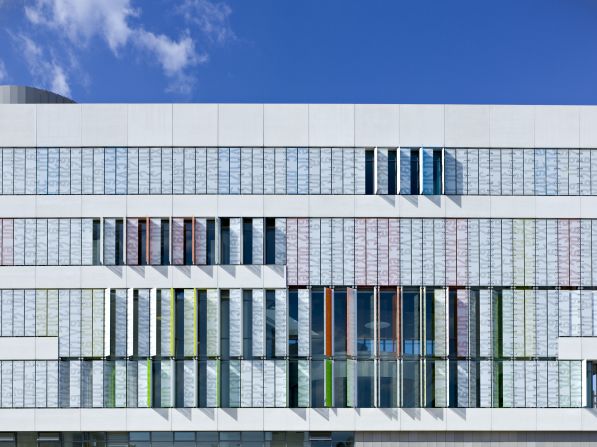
[(309, 274)]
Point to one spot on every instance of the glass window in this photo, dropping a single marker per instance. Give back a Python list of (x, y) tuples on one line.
[(317, 383), (340, 384), (429, 322), (270, 328), (369, 172), (270, 241), (388, 384), (414, 171), (437, 171), (410, 383), (96, 241), (142, 242), (410, 321), (365, 383), (293, 323), (165, 242), (365, 323), (179, 323), (224, 324), (247, 323), (392, 172), (211, 242), (247, 241), (340, 322), (119, 242), (188, 242), (225, 241), (387, 322), (317, 328)]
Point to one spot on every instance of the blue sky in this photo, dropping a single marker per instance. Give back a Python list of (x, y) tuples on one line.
[(370, 51)]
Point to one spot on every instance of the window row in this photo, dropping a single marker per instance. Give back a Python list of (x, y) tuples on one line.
[(406, 171), (168, 383), (318, 323)]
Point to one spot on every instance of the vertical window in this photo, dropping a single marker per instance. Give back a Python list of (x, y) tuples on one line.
[(429, 322), (293, 323), (142, 241), (340, 322), (437, 172), (247, 323), (119, 242), (225, 324), (392, 172), (452, 322), (410, 384), (410, 321), (270, 319), (414, 171), (211, 242), (188, 242), (270, 240), (165, 242), (179, 323), (247, 241), (387, 323), (369, 172), (225, 241), (388, 384), (365, 323), (96, 241), (317, 329)]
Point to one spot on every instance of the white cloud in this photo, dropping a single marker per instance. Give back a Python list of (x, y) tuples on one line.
[(3, 73), (211, 18)]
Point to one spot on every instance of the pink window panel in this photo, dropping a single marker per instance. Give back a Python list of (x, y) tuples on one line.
[(371, 251), (461, 252), (200, 241), (360, 254), (382, 251)]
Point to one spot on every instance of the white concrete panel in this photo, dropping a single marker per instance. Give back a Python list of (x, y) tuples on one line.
[(512, 126), (28, 348), (59, 124), (557, 126), (588, 126), (104, 125), (467, 125), (195, 124), (18, 125), (286, 125), (149, 125), (240, 125), (331, 125), (376, 125), (421, 125)]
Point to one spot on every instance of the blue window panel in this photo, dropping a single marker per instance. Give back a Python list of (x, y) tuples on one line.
[(121, 170), (518, 172), (337, 187), (53, 170), (506, 165), (280, 170), (235, 170), (405, 171), (133, 171), (110, 170), (472, 172), (551, 172), (246, 170), (155, 170), (585, 172), (484, 171), (201, 167), (450, 171), (495, 165), (427, 154), (303, 170), (326, 170), (573, 172), (257, 170), (269, 169), (529, 171), (314, 170), (98, 171), (143, 171), (42, 171), (189, 171), (212, 171), (31, 171), (540, 173), (224, 170), (292, 170), (461, 171), (178, 170), (19, 171), (562, 172), (165, 170)]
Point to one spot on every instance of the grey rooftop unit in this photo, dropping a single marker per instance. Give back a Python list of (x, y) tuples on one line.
[(20, 94)]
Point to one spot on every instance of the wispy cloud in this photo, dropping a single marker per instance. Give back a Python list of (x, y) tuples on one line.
[(3, 72), (74, 24)]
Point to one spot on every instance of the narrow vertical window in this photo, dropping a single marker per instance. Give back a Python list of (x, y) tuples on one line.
[(410, 321), (142, 241), (369, 172), (317, 323), (247, 323), (437, 172), (225, 324), (392, 172), (414, 171), (247, 241), (270, 240), (429, 322), (340, 322), (211, 242), (365, 322), (188, 242), (293, 323), (225, 241), (165, 242), (270, 329), (179, 323), (96, 241), (119, 252), (387, 322)]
